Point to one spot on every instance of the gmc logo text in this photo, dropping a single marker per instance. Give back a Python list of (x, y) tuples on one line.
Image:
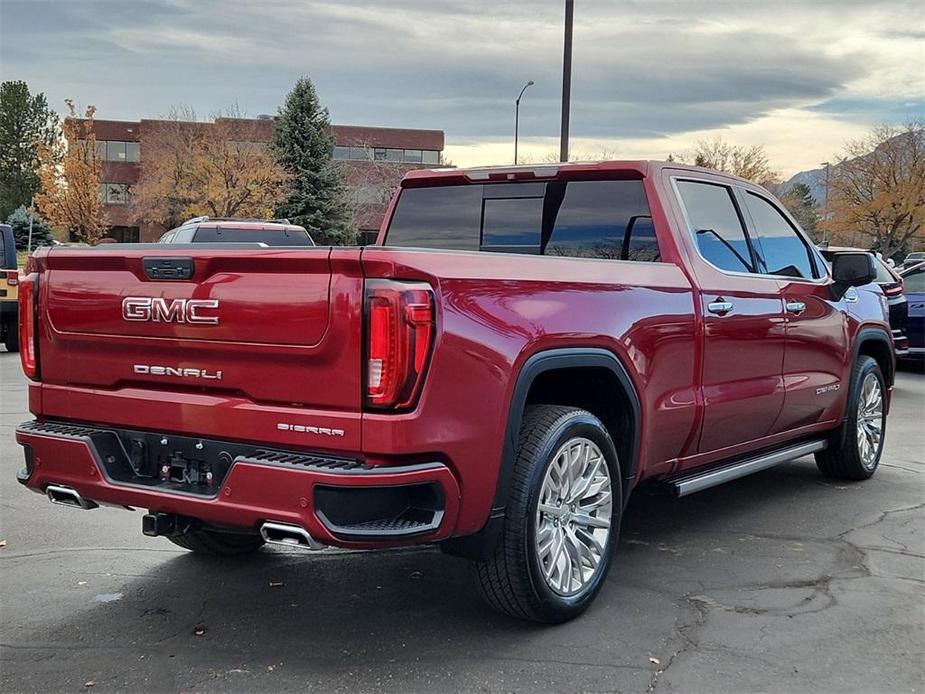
[(158, 310)]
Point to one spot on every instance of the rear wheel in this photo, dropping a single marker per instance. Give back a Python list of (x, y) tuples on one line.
[(562, 518), (215, 543), (854, 452)]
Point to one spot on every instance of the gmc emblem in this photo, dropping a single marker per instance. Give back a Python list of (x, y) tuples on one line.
[(157, 310)]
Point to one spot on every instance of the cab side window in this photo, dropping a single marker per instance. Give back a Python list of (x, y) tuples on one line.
[(782, 251), (716, 225)]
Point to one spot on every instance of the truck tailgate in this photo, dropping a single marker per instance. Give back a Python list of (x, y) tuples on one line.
[(254, 324)]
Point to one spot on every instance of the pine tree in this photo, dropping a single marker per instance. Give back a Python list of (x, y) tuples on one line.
[(41, 232), (304, 148), (25, 121)]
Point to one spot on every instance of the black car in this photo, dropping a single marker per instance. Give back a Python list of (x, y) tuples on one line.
[(9, 290), (892, 286)]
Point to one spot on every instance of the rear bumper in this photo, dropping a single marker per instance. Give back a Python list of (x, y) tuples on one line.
[(338, 501)]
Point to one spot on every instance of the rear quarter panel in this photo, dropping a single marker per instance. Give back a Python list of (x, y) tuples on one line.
[(494, 312)]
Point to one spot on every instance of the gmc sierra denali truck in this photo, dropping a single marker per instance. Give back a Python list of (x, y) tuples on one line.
[(520, 350)]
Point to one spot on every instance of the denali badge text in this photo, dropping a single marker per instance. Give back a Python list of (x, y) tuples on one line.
[(205, 374), (158, 310), (306, 429)]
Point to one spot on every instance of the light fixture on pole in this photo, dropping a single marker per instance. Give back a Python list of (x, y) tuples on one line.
[(517, 116)]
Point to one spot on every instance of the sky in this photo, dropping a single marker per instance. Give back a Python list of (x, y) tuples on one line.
[(650, 77)]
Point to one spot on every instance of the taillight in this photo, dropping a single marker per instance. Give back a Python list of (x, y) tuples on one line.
[(28, 313), (400, 333), (894, 289), (12, 277)]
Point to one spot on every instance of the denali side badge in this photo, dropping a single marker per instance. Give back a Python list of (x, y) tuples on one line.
[(303, 428), (827, 389), (158, 310)]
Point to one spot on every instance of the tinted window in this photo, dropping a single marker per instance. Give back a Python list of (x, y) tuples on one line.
[(884, 274), (447, 217), (513, 223), (783, 251), (604, 219), (588, 219), (132, 151), (271, 237), (915, 282), (716, 225)]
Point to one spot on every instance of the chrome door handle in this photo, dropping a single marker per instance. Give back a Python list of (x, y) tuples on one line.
[(719, 307), (796, 307)]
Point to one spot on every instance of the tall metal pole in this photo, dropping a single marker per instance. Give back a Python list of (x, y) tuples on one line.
[(825, 213), (566, 79), (31, 217), (517, 116)]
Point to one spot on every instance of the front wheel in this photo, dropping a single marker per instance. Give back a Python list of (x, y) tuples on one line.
[(854, 452), (561, 521)]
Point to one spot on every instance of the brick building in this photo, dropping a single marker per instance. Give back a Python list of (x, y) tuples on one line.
[(373, 161)]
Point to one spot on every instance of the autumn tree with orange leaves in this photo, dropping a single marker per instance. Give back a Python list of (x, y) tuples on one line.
[(70, 170), (877, 190), (219, 169)]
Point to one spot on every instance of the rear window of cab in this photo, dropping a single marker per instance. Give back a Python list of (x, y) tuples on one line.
[(607, 219)]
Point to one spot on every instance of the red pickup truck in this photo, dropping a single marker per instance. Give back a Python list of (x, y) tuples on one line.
[(520, 350)]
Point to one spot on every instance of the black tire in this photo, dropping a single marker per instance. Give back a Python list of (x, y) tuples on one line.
[(511, 579), (11, 337), (842, 459), (217, 544)]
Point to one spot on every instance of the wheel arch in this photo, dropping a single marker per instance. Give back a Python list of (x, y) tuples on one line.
[(542, 378), (540, 370), (876, 343)]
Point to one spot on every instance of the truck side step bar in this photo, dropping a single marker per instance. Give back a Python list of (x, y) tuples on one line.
[(710, 478)]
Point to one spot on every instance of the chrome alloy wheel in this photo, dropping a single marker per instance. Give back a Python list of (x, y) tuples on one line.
[(573, 516), (870, 420)]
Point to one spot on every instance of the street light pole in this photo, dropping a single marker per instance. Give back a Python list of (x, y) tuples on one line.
[(517, 116), (825, 209), (566, 79)]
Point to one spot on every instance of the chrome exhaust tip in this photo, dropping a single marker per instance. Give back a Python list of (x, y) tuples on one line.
[(66, 496), (288, 535)]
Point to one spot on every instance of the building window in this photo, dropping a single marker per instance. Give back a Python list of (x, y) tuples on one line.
[(124, 234), (114, 193), (391, 154), (115, 151), (132, 151), (360, 154)]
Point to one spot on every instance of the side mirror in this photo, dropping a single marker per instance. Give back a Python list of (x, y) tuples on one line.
[(852, 269)]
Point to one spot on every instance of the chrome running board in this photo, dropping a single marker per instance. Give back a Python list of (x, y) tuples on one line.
[(710, 478)]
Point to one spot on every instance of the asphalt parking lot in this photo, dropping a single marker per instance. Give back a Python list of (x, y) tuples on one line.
[(780, 582)]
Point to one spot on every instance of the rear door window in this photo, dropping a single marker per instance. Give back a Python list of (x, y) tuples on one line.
[(717, 227), (583, 219), (604, 219)]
